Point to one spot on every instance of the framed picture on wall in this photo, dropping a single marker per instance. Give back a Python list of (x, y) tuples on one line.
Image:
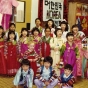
[(20, 12)]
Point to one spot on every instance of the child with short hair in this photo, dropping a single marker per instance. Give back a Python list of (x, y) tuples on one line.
[(46, 75), (66, 80), (38, 25), (24, 76)]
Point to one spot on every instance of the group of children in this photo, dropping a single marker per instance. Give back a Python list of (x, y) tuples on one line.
[(46, 75), (37, 44)]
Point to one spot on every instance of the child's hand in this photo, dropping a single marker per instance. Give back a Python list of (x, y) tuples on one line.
[(47, 83), (60, 85)]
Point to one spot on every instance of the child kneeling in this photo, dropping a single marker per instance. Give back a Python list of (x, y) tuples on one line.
[(66, 80), (24, 76), (46, 75)]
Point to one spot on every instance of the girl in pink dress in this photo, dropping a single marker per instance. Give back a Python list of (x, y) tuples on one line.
[(78, 41), (23, 42)]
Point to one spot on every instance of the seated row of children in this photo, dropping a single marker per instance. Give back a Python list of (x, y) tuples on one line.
[(46, 75)]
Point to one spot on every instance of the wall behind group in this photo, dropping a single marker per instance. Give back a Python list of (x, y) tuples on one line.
[(27, 15)]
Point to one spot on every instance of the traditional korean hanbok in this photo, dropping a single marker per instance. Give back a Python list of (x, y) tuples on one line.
[(12, 63), (37, 41), (23, 46), (69, 55), (34, 56), (45, 46), (56, 43), (6, 11), (2, 58), (78, 43)]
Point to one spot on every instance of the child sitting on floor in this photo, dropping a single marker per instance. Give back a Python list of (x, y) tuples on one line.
[(46, 75), (24, 76), (66, 80)]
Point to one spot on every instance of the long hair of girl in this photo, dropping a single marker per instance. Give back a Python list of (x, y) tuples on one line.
[(11, 32), (3, 33)]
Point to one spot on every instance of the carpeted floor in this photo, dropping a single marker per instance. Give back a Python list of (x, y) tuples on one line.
[(7, 82)]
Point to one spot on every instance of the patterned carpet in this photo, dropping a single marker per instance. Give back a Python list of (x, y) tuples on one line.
[(7, 82)]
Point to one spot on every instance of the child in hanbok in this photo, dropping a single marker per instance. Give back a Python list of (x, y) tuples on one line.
[(64, 27), (66, 80), (23, 42), (56, 44), (12, 27), (11, 54), (32, 56), (2, 58), (46, 75), (24, 76), (38, 23), (37, 39), (45, 46), (50, 24), (78, 42), (69, 53)]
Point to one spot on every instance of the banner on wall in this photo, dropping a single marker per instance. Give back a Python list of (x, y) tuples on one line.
[(53, 9)]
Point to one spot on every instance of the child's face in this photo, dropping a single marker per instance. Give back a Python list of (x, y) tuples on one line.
[(36, 33), (47, 64), (12, 28), (67, 72), (1, 30), (31, 46), (25, 67), (11, 36), (63, 26), (59, 33), (75, 30), (50, 23), (70, 38), (47, 32), (38, 22), (24, 33)]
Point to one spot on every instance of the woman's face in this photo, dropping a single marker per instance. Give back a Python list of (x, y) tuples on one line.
[(75, 30), (38, 22), (47, 32), (59, 33), (63, 26), (12, 36), (24, 33), (50, 23), (36, 33), (12, 28)]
